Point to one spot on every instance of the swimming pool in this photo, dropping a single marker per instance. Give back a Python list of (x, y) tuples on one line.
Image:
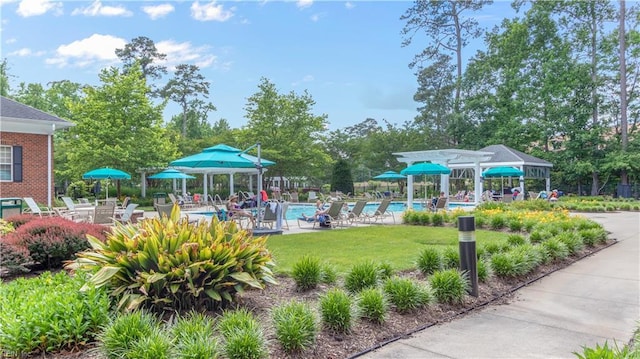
[(296, 210)]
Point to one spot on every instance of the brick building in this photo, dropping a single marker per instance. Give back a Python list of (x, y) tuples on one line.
[(26, 151)]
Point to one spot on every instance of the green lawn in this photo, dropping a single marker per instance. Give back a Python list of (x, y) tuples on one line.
[(342, 248)]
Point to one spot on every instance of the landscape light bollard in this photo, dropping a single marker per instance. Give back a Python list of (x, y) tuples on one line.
[(467, 244)]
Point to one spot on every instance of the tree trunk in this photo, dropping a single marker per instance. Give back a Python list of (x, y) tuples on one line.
[(595, 183), (624, 179)]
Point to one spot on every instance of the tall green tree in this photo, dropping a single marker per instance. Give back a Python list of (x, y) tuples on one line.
[(341, 178), (186, 87), (118, 126), (5, 87), (448, 26), (289, 133), (142, 51)]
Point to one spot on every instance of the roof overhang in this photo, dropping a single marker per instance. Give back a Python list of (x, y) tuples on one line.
[(38, 127), (445, 157)]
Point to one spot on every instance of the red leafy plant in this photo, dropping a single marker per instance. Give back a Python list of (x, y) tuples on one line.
[(52, 240)]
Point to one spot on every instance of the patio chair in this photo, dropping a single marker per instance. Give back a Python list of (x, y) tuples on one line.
[(164, 210), (77, 213), (127, 214), (441, 203), (356, 214), (332, 217), (34, 208), (313, 196), (173, 198), (381, 212), (269, 215), (103, 214), (294, 197)]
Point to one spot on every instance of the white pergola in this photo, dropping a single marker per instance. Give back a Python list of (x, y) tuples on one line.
[(460, 161), (447, 158)]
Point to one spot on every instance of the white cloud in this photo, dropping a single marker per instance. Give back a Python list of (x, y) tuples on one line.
[(306, 78), (12, 40), (22, 52), (315, 17), (97, 9), (303, 4), (158, 11), (185, 52), (28, 8), (85, 52), (349, 5), (210, 12)]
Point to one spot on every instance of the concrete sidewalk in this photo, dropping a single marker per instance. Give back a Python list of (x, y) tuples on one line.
[(592, 301)]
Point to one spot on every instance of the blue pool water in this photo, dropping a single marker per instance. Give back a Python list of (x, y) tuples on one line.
[(296, 210)]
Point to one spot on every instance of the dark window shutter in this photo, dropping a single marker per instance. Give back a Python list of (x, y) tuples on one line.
[(17, 163)]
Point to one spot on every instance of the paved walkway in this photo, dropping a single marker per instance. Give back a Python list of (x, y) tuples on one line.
[(593, 300)]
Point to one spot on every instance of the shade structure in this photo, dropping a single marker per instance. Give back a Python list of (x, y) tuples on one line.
[(426, 168), (220, 156), (389, 176), (502, 171), (171, 174), (106, 173)]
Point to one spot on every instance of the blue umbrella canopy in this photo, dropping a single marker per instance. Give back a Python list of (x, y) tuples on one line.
[(220, 156), (390, 175), (426, 168), (106, 173), (171, 174), (502, 171)]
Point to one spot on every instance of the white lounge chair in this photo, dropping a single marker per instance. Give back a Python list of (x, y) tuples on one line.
[(34, 208)]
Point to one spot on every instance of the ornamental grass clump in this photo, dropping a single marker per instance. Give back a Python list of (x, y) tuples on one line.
[(437, 219), (429, 260), (450, 257), (449, 286), (193, 338), (361, 276), (48, 313), (516, 240), (407, 295), (593, 236), (169, 263), (157, 345), (516, 262), (484, 270), (122, 334), (307, 273), (336, 310), (296, 326), (385, 270), (555, 249), (572, 240), (372, 305), (243, 336)]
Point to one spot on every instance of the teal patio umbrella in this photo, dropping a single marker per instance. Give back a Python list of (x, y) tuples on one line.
[(426, 168), (171, 174), (106, 173), (502, 172), (390, 176), (220, 156)]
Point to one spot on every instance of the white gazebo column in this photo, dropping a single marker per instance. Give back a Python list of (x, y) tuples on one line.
[(184, 188), (547, 186), (205, 191), (231, 189), (477, 183), (522, 189), (409, 192), (175, 185), (444, 187), (143, 184)]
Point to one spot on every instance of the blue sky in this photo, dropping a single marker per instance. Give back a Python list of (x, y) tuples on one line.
[(346, 54)]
